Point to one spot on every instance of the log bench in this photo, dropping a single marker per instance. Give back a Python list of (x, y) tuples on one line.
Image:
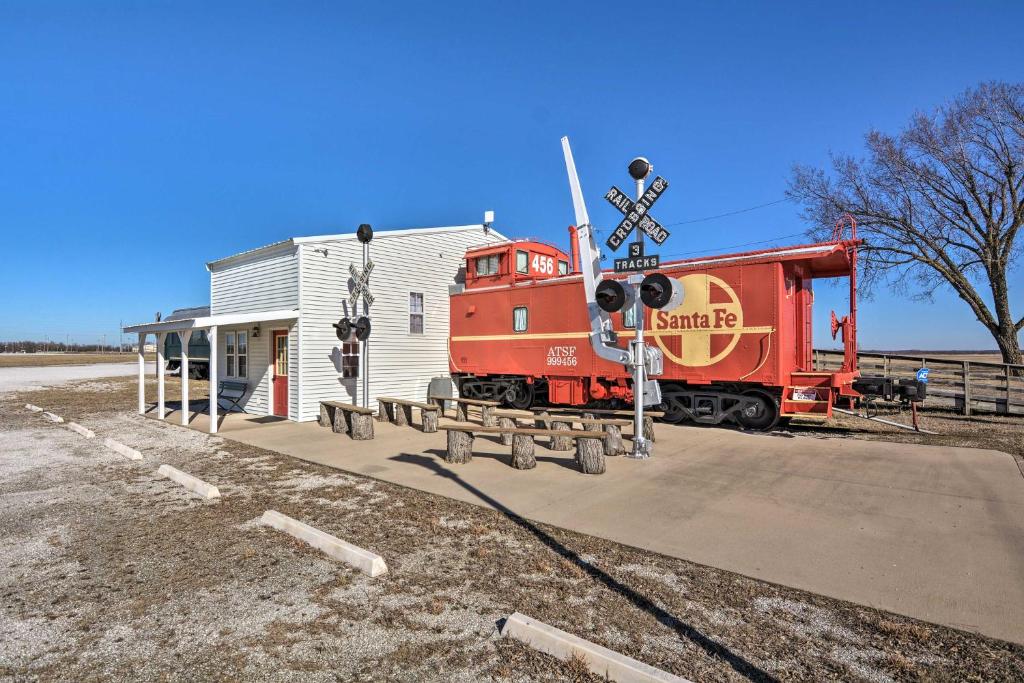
[(589, 445), (345, 418), (399, 411), (461, 404), (612, 427), (649, 416)]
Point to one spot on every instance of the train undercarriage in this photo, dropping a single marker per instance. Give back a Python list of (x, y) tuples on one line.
[(749, 406)]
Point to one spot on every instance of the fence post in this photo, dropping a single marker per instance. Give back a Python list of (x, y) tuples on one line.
[(967, 388), (817, 359), (1008, 375), (885, 366)]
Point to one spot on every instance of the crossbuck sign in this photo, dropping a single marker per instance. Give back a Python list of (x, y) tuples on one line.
[(360, 286), (637, 214)]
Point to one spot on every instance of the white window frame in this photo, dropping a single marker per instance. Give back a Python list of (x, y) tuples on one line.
[(563, 267), (625, 322), (490, 273), (422, 313), (526, 319), (526, 262), (232, 352)]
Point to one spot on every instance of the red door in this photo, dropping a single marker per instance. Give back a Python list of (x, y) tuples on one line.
[(279, 350)]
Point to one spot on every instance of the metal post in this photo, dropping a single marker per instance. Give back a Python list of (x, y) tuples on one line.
[(212, 371), (366, 342), (641, 447), (967, 387)]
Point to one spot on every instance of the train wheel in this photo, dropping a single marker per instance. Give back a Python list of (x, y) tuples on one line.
[(762, 414), (672, 406), (520, 395)]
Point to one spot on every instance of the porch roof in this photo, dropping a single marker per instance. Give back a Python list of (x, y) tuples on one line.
[(207, 321)]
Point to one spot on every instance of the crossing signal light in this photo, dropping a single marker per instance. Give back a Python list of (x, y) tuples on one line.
[(362, 328), (612, 296), (344, 328), (660, 291)]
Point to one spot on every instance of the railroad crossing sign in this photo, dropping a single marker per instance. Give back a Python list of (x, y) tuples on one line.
[(360, 286), (636, 262), (637, 214)]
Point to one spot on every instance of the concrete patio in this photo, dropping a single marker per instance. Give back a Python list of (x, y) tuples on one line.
[(935, 533)]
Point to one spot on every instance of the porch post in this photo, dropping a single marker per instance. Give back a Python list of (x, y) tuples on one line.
[(185, 335), (161, 410), (212, 337), (142, 373)]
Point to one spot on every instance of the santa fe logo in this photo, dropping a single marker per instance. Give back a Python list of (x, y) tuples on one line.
[(697, 321)]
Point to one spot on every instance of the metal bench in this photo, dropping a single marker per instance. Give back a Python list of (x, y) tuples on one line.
[(399, 411), (345, 418), (589, 445), (232, 392)]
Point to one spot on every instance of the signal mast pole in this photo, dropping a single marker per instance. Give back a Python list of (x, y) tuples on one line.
[(639, 168)]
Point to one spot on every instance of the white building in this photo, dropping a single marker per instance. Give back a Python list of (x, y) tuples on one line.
[(272, 311)]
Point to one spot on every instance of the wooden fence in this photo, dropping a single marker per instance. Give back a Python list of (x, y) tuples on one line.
[(962, 384)]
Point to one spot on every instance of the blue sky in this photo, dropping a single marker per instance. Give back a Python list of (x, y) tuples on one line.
[(140, 140)]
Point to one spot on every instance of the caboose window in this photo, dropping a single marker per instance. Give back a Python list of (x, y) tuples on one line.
[(519, 319), (487, 265), (563, 267), (629, 317), (415, 312), (522, 262)]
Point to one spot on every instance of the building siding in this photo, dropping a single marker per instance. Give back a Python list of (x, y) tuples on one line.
[(263, 282), (257, 399), (401, 364)]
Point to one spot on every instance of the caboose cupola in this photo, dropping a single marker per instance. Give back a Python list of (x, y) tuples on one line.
[(515, 261)]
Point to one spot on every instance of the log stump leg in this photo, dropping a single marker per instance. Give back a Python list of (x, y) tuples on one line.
[(398, 415), (522, 451), (613, 441), (460, 412), (383, 411), (487, 416), (561, 443), (590, 455), (649, 428), (325, 416), (361, 426), (460, 447), (429, 421), (340, 423), (506, 437)]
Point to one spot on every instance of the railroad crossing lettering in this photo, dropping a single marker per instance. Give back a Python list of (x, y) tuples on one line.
[(636, 262), (637, 214), (360, 286)]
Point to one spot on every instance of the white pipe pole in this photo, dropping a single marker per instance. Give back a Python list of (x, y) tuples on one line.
[(184, 335), (641, 448), (142, 373), (212, 338), (161, 406)]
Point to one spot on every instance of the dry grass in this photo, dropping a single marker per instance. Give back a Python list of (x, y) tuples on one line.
[(37, 360), (148, 581)]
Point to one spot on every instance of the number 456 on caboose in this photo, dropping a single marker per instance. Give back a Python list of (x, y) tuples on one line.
[(738, 349)]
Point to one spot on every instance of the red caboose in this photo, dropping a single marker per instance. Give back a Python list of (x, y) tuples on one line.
[(738, 349)]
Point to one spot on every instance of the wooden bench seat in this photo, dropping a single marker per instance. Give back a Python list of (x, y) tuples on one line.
[(589, 445), (611, 426), (345, 418), (649, 416), (486, 407), (399, 412)]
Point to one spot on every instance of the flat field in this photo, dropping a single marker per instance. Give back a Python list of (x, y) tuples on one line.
[(36, 360), (108, 571)]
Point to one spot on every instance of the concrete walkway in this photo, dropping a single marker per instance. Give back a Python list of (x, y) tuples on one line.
[(929, 532)]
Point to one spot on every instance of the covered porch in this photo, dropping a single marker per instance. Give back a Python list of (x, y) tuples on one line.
[(229, 359)]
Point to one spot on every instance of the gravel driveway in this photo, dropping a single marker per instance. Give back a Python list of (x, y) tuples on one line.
[(26, 378)]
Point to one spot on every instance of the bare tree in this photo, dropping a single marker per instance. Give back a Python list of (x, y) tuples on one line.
[(940, 203)]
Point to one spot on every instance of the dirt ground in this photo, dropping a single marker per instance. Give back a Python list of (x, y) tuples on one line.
[(36, 360), (108, 571)]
